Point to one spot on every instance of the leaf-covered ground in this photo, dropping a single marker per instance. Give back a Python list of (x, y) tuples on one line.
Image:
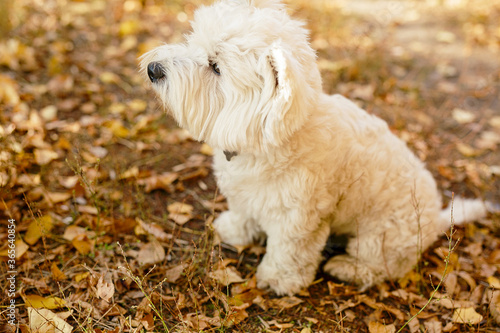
[(112, 203)]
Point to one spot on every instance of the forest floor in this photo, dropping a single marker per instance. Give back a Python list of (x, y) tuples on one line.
[(111, 204)]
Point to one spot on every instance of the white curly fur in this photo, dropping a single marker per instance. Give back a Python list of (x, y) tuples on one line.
[(307, 164)]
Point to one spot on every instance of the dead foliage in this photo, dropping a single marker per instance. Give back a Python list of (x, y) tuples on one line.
[(113, 204)]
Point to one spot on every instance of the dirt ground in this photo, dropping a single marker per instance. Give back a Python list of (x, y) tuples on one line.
[(109, 204)]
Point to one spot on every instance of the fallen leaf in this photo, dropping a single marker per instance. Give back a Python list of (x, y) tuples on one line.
[(133, 172), (205, 149), (495, 306), (466, 316), (20, 246), (154, 230), (174, 273), (494, 282), (45, 156), (38, 228), (105, 287), (163, 181), (57, 274), (462, 116), (57, 197), (180, 208), (151, 253), (180, 212), (72, 231), (286, 302), (83, 244), (38, 302), (376, 327), (227, 275), (43, 320)]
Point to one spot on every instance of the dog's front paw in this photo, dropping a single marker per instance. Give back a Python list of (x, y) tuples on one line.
[(232, 230), (281, 281)]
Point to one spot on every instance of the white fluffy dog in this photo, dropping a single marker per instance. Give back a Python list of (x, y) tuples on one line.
[(295, 164)]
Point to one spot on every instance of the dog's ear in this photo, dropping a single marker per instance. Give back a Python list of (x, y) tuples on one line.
[(277, 93)]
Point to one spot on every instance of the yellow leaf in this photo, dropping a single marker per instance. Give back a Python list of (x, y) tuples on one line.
[(493, 282), (138, 105), (20, 247), (81, 276), (467, 150), (129, 27), (130, 173), (116, 127), (466, 316), (205, 149), (39, 302), (109, 77), (82, 244), (38, 228), (57, 274)]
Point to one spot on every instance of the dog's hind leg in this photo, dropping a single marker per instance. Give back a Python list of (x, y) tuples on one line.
[(370, 260)]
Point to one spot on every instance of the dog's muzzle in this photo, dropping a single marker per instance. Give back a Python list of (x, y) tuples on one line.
[(155, 71)]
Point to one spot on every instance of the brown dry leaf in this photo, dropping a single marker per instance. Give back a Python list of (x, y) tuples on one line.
[(162, 181), (462, 116), (235, 317), (38, 228), (72, 231), (286, 302), (46, 321), (68, 182), (154, 230), (151, 253), (174, 273), (133, 172), (57, 197), (466, 316), (38, 302), (376, 327), (495, 306), (57, 274), (180, 212), (227, 275), (280, 325), (199, 321), (433, 326), (467, 150), (105, 287), (45, 156)]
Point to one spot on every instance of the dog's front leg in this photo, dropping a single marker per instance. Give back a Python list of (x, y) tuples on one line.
[(293, 254), (236, 229)]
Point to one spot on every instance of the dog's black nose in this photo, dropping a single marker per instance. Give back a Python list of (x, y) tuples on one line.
[(155, 71)]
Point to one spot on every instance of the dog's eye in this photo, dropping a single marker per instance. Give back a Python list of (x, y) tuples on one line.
[(215, 68)]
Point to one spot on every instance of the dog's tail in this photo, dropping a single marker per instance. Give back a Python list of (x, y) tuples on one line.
[(463, 210)]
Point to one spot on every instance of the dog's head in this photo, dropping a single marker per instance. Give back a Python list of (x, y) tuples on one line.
[(244, 80)]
